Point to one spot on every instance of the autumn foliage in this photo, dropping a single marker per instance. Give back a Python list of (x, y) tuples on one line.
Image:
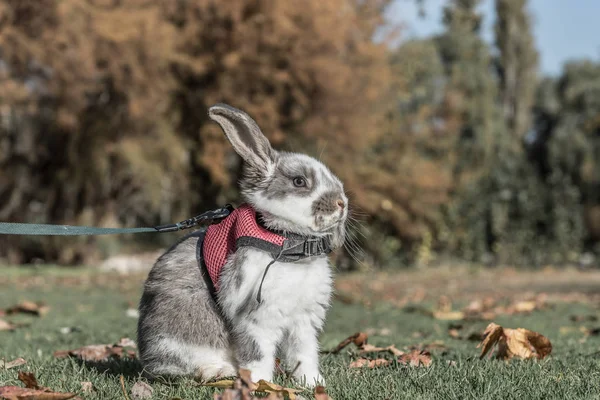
[(445, 144), (104, 103)]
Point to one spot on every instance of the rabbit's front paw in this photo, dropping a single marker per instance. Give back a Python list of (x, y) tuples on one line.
[(258, 372)]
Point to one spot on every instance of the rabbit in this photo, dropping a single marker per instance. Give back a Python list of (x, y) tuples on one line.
[(187, 327)]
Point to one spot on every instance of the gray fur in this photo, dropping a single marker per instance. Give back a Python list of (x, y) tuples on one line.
[(246, 349), (248, 306), (326, 204), (177, 303), (281, 184), (244, 134)]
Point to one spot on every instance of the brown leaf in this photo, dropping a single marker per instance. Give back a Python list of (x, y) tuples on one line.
[(12, 364), (449, 315), (416, 358), (28, 307), (269, 387), (126, 342), (7, 326), (525, 306), (454, 333), (19, 393), (32, 390), (321, 394), (241, 387), (521, 343), (222, 384), (141, 390), (100, 352), (491, 336), (363, 362), (246, 377), (359, 339), (367, 348), (87, 387), (435, 345), (28, 379)]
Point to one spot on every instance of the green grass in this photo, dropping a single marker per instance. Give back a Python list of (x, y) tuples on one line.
[(96, 306)]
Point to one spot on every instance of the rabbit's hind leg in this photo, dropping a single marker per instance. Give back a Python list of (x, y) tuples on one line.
[(174, 357)]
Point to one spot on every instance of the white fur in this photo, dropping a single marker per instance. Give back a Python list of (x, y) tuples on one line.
[(298, 210), (205, 362), (290, 315)]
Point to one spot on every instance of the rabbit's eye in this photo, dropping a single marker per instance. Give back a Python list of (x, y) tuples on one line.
[(299, 181)]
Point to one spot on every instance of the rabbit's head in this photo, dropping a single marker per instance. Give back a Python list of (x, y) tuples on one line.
[(291, 192)]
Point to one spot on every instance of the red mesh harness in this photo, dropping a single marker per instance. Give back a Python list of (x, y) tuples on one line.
[(241, 228), (221, 239)]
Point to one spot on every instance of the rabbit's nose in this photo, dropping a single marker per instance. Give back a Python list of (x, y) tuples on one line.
[(340, 203)]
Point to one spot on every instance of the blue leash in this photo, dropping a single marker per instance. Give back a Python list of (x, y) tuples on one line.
[(13, 228)]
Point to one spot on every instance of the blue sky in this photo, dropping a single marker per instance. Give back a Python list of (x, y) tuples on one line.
[(563, 29)]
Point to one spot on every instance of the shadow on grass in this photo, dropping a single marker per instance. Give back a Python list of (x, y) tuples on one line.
[(128, 367)]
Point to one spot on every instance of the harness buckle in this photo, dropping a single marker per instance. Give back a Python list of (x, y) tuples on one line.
[(313, 247)]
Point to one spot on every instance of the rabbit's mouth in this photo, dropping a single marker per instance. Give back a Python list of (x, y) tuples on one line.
[(335, 224)]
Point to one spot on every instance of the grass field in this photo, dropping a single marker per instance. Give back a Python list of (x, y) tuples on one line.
[(390, 308)]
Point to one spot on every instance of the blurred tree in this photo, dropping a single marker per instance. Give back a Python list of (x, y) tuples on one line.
[(104, 103), (404, 175), (471, 123), (469, 105), (516, 65), (566, 143), (85, 140)]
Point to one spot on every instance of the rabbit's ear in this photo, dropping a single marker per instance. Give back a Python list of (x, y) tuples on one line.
[(244, 134)]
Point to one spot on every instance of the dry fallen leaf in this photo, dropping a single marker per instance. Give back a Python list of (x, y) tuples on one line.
[(29, 307), (321, 394), (28, 379), (449, 315), (87, 387), (511, 343), (12, 364), (7, 326), (126, 342), (269, 387), (241, 388), (246, 377), (100, 352), (19, 393), (416, 358), (367, 348), (31, 391), (359, 339), (222, 384), (141, 390), (525, 306), (363, 362)]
